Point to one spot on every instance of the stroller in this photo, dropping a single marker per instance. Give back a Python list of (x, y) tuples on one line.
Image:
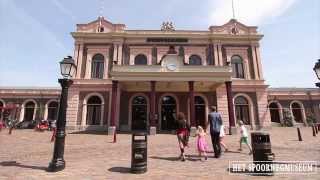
[(42, 126)]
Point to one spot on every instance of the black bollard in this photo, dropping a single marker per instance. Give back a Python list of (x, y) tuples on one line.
[(299, 134), (313, 131)]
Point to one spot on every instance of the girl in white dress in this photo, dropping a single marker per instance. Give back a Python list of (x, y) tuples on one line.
[(222, 134)]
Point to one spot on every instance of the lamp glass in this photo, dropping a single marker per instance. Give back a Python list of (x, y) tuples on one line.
[(67, 67), (317, 71)]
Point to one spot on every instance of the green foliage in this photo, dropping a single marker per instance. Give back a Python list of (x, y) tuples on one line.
[(311, 119)]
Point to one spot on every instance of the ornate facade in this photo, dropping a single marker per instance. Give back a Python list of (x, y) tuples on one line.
[(139, 79)]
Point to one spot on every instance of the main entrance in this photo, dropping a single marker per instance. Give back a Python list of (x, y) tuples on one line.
[(139, 113), (200, 111), (168, 112)]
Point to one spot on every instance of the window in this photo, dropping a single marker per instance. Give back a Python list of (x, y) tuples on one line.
[(97, 68), (195, 60), (237, 67), (94, 108), (242, 110), (140, 59)]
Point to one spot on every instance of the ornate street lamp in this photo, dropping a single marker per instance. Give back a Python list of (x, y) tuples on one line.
[(316, 69), (68, 69)]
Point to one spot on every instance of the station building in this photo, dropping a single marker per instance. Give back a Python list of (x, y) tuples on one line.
[(140, 79)]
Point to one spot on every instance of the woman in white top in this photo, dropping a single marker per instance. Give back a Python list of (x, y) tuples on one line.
[(222, 134)]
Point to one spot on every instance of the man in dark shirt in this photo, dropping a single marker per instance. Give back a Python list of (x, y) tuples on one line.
[(215, 121)]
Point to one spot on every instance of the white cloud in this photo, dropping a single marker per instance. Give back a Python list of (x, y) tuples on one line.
[(250, 12)]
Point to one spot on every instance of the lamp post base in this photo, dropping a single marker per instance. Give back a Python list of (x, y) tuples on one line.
[(56, 165)]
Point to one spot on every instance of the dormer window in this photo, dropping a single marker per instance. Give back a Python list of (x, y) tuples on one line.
[(195, 60), (101, 29), (141, 59)]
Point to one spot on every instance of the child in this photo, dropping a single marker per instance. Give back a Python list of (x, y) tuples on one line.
[(244, 137), (222, 134), (202, 143)]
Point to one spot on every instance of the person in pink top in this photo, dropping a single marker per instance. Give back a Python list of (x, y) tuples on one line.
[(202, 145)]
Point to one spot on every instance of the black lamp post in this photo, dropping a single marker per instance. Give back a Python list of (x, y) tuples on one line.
[(316, 69), (68, 69)]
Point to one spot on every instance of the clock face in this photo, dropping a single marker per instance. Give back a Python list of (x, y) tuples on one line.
[(172, 67)]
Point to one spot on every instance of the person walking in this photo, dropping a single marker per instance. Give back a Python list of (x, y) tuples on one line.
[(215, 121), (244, 137), (202, 146), (182, 130), (222, 134)]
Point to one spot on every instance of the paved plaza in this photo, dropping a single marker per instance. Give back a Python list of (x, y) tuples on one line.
[(25, 155)]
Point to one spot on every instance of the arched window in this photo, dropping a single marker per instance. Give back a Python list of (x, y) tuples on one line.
[(195, 60), (97, 67), (29, 110), (237, 67), (94, 105), (53, 110), (141, 59), (242, 109)]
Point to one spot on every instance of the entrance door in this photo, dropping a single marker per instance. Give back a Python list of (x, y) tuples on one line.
[(200, 111), (139, 113), (297, 112), (274, 112), (29, 111), (168, 113)]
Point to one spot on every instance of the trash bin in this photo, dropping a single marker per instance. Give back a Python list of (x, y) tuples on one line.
[(139, 153), (262, 154)]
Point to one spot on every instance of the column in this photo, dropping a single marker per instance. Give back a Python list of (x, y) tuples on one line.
[(153, 128), (119, 54), (232, 129), (220, 54), (112, 126), (88, 66), (254, 62), (115, 53), (259, 62), (78, 55), (216, 57), (192, 110)]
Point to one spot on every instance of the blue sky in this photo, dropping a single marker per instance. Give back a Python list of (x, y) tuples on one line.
[(35, 34)]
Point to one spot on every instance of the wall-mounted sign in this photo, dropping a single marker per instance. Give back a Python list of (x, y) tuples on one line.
[(167, 40)]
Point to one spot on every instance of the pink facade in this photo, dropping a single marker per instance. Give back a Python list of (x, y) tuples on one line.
[(140, 79)]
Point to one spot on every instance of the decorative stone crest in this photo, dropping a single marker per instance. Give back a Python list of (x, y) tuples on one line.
[(167, 26)]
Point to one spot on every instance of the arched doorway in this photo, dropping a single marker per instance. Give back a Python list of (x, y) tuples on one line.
[(242, 110), (139, 113), (1, 110), (297, 112), (94, 110), (168, 112), (200, 111), (274, 112), (53, 110), (29, 111)]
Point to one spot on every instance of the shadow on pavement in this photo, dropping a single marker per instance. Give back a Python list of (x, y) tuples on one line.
[(166, 158), (89, 132), (14, 163), (124, 170)]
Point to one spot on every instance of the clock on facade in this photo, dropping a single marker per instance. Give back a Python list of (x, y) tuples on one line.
[(171, 67)]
